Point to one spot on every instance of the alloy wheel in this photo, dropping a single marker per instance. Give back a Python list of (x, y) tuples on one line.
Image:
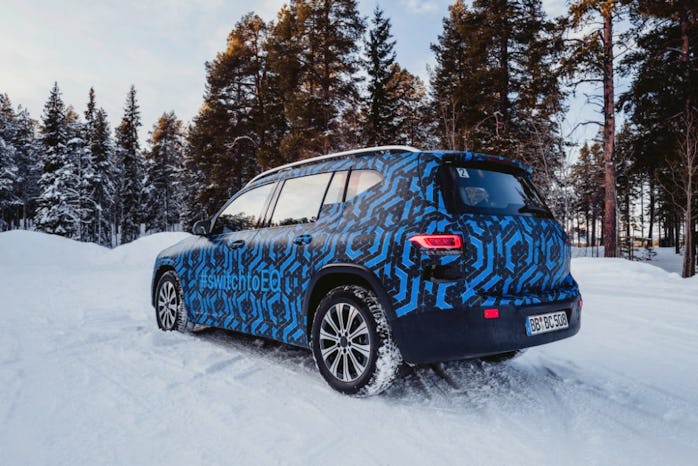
[(167, 305), (345, 342)]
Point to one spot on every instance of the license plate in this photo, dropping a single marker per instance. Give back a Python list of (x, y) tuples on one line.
[(544, 323)]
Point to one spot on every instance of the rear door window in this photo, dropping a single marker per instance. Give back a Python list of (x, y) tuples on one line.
[(300, 200), (360, 181), (485, 190), (335, 193)]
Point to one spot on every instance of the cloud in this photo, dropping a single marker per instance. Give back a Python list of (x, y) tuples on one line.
[(420, 7), (160, 46)]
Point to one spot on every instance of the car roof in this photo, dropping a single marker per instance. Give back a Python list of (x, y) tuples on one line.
[(462, 156)]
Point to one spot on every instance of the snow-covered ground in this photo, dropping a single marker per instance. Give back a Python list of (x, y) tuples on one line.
[(86, 378), (664, 258), (667, 259)]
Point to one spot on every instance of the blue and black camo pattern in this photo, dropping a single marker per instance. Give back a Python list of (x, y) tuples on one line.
[(512, 260)]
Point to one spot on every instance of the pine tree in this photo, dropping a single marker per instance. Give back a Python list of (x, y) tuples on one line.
[(82, 173), (239, 123), (458, 79), (9, 171), (58, 203), (164, 162), (381, 105), (660, 106), (592, 58), (495, 83), (100, 171), (314, 52), (192, 180), (587, 180), (104, 160), (411, 115), (27, 149), (89, 212), (128, 155)]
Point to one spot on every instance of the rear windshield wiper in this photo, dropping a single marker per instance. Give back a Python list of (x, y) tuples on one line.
[(534, 209)]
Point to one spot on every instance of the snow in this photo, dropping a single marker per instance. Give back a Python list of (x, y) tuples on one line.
[(86, 378), (667, 259), (664, 258)]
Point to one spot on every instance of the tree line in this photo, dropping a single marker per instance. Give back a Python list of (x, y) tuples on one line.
[(67, 174), (322, 78)]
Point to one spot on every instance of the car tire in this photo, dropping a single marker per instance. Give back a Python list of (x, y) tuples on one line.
[(352, 342), (170, 311), (502, 357)]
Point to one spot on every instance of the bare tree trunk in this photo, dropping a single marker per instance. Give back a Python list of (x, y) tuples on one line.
[(502, 126), (689, 269), (677, 233), (685, 63), (652, 202), (628, 232), (691, 169), (690, 148), (610, 231), (586, 224), (593, 228)]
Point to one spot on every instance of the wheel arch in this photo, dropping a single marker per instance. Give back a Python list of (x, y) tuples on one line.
[(159, 272), (334, 275)]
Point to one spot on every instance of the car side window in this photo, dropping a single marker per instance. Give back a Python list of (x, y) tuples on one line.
[(300, 199), (335, 193), (245, 211), (360, 181)]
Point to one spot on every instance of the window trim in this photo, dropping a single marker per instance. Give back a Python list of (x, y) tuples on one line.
[(346, 185), (271, 205), (327, 190), (324, 195)]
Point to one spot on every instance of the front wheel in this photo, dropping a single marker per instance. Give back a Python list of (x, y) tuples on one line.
[(352, 343), (170, 312)]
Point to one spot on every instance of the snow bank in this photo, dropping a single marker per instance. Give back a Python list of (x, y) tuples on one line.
[(86, 378), (20, 248), (28, 248)]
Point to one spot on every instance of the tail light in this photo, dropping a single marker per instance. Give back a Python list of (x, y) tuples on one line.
[(438, 243)]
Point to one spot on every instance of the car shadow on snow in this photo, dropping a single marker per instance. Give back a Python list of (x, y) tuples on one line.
[(469, 382)]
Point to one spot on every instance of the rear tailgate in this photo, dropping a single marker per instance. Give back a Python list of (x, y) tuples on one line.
[(512, 244)]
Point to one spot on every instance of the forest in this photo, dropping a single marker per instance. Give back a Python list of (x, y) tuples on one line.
[(322, 78)]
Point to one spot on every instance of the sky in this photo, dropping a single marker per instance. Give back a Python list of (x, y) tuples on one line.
[(160, 46)]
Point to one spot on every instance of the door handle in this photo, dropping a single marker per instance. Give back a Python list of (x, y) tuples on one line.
[(237, 244), (302, 239)]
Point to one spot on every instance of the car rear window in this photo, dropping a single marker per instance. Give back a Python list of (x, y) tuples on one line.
[(485, 190)]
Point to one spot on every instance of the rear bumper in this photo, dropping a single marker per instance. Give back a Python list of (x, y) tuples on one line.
[(445, 335)]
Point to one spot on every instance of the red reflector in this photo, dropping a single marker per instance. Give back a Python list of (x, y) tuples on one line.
[(437, 241), (491, 313)]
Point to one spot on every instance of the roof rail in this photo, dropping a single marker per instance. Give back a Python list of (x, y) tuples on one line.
[(366, 150)]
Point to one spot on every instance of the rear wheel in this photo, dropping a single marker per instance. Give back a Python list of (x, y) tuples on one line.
[(170, 311), (352, 343)]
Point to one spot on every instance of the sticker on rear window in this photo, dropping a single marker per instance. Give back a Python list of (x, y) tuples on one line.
[(462, 172)]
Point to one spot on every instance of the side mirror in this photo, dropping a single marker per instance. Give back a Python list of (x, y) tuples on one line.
[(202, 228)]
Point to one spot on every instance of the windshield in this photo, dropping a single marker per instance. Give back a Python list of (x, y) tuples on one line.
[(483, 190)]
